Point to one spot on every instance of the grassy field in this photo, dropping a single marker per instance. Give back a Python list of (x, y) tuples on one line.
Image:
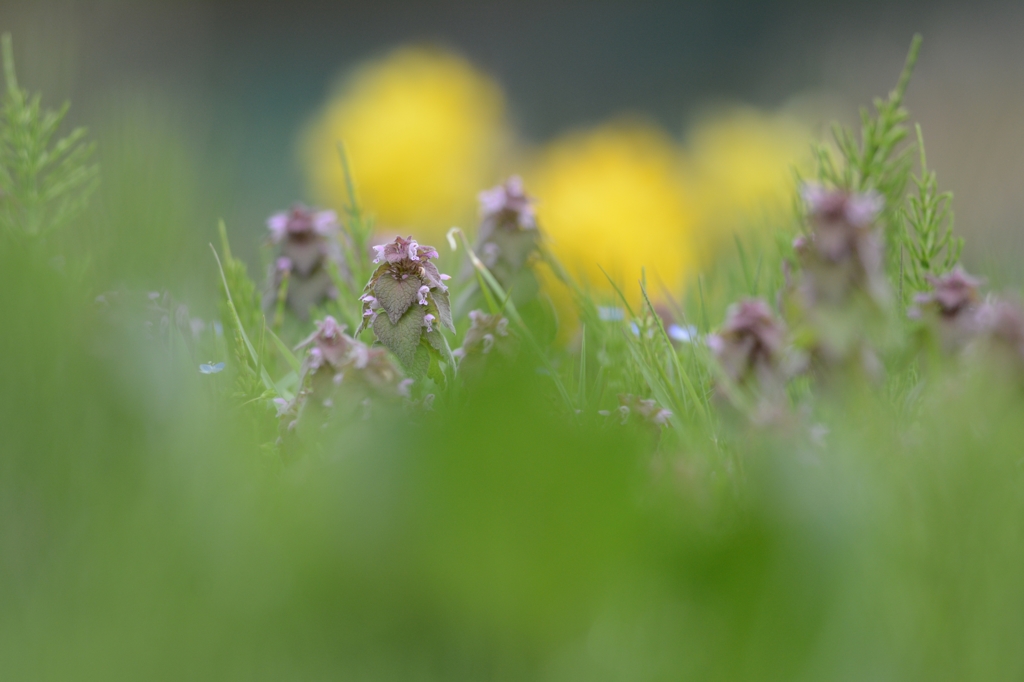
[(806, 466)]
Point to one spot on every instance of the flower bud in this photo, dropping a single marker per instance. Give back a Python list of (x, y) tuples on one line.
[(953, 294), (749, 345), (843, 253), (486, 333), (339, 370), (307, 242), (508, 234), (508, 206), (952, 306)]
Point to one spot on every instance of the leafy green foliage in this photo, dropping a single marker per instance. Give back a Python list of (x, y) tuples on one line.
[(45, 180), (402, 337)]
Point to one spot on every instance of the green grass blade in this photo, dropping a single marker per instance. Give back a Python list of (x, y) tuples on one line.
[(282, 348), (265, 377), (618, 291), (699, 400)]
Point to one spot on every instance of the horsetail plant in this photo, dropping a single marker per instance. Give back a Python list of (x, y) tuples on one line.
[(927, 230), (45, 181), (878, 159)]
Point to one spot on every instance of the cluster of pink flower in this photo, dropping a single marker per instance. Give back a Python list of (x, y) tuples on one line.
[(842, 299), (992, 328), (405, 297)]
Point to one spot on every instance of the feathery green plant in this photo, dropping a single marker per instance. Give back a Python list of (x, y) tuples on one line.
[(877, 159), (240, 310), (927, 229), (45, 181)]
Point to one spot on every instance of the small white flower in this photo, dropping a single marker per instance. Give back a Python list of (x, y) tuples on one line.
[(687, 334)]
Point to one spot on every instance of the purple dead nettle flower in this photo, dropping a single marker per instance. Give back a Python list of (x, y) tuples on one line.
[(329, 342), (953, 305), (953, 295), (508, 234), (404, 300), (508, 204), (305, 237), (402, 250), (307, 242), (334, 360), (1001, 322), (844, 251), (749, 346), (301, 223), (486, 333)]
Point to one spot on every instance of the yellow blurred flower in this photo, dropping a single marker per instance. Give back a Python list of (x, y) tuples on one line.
[(612, 198), (742, 163), (423, 130)]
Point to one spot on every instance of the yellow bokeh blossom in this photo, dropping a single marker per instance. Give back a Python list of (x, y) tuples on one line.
[(742, 179), (612, 198), (423, 130)]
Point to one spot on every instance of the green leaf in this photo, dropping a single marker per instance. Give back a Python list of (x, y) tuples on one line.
[(439, 343), (285, 351), (402, 338), (396, 295), (434, 371), (444, 309), (436, 340)]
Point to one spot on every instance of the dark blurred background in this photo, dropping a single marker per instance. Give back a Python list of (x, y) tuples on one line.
[(231, 84)]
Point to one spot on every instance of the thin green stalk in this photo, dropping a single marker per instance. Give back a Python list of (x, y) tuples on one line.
[(513, 313), (698, 399), (268, 382)]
